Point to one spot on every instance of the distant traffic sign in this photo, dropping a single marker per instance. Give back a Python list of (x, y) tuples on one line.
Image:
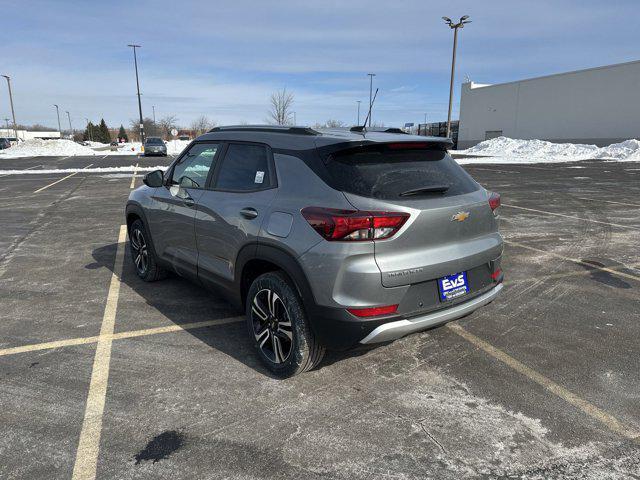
[(407, 125), (174, 132)]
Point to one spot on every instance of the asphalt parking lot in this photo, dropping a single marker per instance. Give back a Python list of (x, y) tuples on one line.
[(104, 375)]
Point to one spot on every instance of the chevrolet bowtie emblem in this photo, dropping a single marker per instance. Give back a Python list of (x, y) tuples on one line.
[(460, 217)]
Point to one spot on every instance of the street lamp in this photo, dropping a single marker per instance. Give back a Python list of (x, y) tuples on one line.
[(454, 26), (135, 62), (13, 113), (70, 127), (371, 75), (58, 115), (89, 130), (154, 114), (358, 102)]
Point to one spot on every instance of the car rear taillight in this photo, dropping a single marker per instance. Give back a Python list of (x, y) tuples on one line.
[(496, 276), (353, 225), (494, 201), (373, 311)]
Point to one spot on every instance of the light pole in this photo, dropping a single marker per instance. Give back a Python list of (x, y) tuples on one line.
[(13, 113), (295, 121), (154, 114), (58, 115), (70, 127), (371, 75), (6, 120), (358, 102), (135, 62), (454, 26)]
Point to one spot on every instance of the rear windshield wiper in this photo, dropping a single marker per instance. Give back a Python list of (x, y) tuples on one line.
[(429, 189)]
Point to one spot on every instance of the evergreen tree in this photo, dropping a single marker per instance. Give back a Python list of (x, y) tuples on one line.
[(122, 133), (105, 136), (89, 132)]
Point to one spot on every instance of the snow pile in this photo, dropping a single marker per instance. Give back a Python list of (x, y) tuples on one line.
[(39, 148), (627, 150), (510, 150), (174, 147)]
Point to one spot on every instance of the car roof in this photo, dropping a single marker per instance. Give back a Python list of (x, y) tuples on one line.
[(304, 138)]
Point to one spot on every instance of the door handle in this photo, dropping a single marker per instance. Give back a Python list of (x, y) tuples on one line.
[(249, 213)]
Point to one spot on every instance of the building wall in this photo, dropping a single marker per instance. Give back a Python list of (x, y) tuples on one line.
[(598, 105), (27, 135)]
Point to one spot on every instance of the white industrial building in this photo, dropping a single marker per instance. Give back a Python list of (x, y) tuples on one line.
[(598, 106), (26, 134)]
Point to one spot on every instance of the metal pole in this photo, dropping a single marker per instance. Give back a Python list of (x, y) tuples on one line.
[(295, 122), (371, 75), (13, 113), (453, 69), (135, 62), (89, 130), (154, 114), (358, 102), (7, 122), (58, 115), (70, 127)]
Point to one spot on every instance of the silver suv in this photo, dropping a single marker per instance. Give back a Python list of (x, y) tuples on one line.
[(326, 239)]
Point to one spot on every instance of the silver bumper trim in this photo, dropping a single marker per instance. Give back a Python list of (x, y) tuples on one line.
[(393, 330)]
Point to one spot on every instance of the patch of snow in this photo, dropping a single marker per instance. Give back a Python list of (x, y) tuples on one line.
[(38, 148), (129, 168), (510, 150)]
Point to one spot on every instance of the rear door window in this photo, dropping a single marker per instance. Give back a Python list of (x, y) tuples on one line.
[(246, 167), (380, 172)]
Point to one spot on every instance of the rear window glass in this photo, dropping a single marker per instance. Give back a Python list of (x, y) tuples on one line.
[(245, 168), (154, 141), (411, 174)]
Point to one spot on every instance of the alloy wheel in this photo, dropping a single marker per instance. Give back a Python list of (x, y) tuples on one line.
[(140, 251), (271, 325)]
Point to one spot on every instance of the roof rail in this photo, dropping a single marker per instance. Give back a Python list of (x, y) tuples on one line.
[(266, 128), (362, 129)]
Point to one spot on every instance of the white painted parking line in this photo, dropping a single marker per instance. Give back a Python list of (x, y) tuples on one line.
[(58, 181), (89, 444), (608, 420), (69, 342), (571, 216), (133, 177), (575, 260), (609, 201), (28, 168)]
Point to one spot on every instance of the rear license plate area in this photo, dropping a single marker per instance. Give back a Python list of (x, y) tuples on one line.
[(453, 286)]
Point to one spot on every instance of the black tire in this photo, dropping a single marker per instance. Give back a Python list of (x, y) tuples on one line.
[(143, 255), (267, 324)]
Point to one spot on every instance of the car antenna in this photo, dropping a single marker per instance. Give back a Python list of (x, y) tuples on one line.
[(363, 128)]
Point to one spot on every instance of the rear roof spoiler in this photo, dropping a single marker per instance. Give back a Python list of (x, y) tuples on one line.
[(363, 129)]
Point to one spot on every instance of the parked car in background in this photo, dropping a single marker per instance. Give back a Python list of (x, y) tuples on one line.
[(326, 239), (155, 146), (4, 143)]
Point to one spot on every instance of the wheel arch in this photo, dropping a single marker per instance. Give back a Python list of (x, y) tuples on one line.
[(266, 258)]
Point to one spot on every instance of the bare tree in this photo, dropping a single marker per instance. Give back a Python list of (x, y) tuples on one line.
[(333, 124), (202, 124), (281, 104), (150, 129), (167, 123)]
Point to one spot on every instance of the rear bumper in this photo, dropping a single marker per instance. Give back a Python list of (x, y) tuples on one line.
[(393, 330), (337, 329)]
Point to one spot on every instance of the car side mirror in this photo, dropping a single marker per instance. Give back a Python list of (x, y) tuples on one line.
[(154, 179)]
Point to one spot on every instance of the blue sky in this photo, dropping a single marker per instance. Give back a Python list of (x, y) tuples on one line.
[(223, 59)]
